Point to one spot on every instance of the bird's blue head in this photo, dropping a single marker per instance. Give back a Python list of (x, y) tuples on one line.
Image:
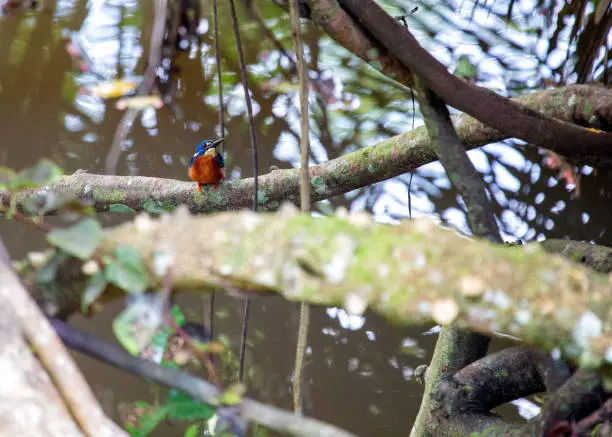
[(203, 147)]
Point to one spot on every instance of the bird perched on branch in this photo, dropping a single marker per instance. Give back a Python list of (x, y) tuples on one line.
[(206, 164)]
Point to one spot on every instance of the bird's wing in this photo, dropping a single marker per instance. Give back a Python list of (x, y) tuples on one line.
[(220, 160)]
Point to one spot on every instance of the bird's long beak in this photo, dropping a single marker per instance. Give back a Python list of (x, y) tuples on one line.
[(217, 142)]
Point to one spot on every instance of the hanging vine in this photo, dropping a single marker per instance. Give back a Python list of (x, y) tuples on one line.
[(245, 84), (302, 340)]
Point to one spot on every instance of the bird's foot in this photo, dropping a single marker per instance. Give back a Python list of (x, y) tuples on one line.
[(200, 187)]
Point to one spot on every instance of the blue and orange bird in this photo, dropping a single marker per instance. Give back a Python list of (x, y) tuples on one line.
[(207, 165)]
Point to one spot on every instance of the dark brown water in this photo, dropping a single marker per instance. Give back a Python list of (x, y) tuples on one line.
[(356, 375)]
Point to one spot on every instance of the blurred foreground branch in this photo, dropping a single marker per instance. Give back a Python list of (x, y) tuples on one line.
[(412, 273), (39, 378)]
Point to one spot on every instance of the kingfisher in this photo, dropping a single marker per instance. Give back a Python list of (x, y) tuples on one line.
[(207, 165)]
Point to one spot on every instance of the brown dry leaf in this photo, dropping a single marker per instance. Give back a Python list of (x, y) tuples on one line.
[(113, 88), (139, 102)]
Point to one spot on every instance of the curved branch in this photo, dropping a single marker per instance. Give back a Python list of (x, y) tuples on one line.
[(508, 117), (581, 104)]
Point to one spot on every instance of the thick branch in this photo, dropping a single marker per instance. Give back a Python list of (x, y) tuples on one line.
[(467, 346), (46, 386), (579, 104), (410, 273), (488, 107)]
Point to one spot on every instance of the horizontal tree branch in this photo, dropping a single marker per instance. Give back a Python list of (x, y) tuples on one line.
[(580, 104), (411, 273)]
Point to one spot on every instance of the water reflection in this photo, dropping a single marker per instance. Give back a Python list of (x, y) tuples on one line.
[(358, 368)]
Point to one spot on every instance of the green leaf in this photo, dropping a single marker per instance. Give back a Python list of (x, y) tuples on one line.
[(127, 271), (176, 396), (465, 68), (193, 431), (149, 421), (79, 240), (189, 410), (177, 315), (44, 172), (120, 207), (94, 288)]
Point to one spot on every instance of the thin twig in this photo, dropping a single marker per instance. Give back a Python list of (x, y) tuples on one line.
[(302, 340), (245, 84), (40, 224), (219, 75), (247, 98), (211, 319), (246, 315)]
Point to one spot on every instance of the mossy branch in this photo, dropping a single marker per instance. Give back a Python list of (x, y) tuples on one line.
[(586, 105), (412, 273)]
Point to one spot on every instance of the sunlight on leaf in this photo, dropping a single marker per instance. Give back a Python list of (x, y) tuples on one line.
[(193, 431), (79, 240)]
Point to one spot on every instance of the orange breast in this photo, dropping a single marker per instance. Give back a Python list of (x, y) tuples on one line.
[(205, 170)]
